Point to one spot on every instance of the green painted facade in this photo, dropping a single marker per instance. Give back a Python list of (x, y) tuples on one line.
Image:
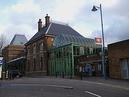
[(62, 60)]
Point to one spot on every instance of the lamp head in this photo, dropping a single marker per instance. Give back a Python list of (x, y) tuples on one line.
[(94, 8)]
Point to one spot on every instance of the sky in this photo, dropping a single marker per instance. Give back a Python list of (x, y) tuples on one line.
[(21, 17)]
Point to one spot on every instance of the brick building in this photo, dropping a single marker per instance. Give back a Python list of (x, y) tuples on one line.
[(118, 55), (37, 50), (14, 54), (52, 50)]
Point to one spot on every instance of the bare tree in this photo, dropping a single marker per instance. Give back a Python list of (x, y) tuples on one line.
[(2, 41)]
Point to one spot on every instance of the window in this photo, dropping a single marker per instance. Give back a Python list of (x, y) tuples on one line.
[(99, 67), (81, 50), (41, 46), (34, 65), (28, 50), (28, 65), (41, 63), (34, 49), (76, 50), (91, 50), (52, 39), (86, 50)]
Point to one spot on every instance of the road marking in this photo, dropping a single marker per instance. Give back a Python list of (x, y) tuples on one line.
[(92, 94), (59, 86)]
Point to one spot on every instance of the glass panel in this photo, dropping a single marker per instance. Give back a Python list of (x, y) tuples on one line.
[(81, 50)]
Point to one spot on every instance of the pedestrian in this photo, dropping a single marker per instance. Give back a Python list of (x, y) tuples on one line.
[(93, 71)]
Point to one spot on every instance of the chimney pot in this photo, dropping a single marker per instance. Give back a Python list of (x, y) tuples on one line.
[(47, 20), (39, 25)]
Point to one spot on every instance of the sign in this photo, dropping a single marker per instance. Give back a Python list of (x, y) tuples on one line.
[(98, 40), (1, 62)]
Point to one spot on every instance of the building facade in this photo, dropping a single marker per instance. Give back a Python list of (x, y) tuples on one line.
[(37, 56), (14, 54), (118, 55), (52, 50)]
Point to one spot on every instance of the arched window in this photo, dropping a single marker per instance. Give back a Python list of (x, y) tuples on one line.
[(41, 46), (41, 63), (28, 65), (34, 64), (34, 49)]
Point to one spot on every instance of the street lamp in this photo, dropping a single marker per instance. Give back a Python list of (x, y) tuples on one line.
[(95, 8)]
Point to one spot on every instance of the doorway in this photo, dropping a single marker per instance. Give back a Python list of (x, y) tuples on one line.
[(125, 68)]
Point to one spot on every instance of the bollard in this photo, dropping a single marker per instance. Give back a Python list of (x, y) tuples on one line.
[(62, 74), (56, 74), (81, 75)]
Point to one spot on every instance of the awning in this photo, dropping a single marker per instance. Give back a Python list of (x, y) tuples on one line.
[(16, 59), (90, 62)]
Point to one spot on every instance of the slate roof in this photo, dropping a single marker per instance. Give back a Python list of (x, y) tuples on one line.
[(63, 34), (38, 35), (18, 40)]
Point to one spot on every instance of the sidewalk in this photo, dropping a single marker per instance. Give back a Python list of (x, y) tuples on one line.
[(108, 81), (98, 80)]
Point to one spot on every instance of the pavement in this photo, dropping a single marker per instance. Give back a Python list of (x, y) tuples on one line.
[(107, 81), (64, 87)]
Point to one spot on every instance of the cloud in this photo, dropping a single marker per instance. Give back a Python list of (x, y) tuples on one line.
[(21, 17), (68, 9), (117, 21), (115, 16)]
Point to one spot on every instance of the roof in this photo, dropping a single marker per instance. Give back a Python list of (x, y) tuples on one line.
[(119, 42), (18, 40), (63, 34), (64, 39), (17, 59)]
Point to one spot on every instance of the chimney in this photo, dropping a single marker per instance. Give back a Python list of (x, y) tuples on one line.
[(39, 25), (47, 20)]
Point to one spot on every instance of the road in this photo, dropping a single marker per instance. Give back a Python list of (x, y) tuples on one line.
[(57, 87)]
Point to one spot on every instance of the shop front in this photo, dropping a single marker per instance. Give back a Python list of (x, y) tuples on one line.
[(90, 65)]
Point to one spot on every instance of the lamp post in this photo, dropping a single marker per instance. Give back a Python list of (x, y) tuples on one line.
[(95, 8)]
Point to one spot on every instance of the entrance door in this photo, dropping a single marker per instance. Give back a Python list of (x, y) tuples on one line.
[(125, 68)]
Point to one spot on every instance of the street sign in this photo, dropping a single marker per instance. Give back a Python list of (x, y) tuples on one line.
[(98, 40), (1, 62)]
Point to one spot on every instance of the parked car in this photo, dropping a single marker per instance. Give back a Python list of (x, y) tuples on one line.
[(15, 73)]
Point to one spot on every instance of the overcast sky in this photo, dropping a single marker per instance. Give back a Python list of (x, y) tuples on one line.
[(21, 17)]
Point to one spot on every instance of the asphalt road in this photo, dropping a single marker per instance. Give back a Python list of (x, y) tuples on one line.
[(57, 87)]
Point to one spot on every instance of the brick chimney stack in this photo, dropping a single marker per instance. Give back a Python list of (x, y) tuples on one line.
[(47, 20), (39, 25)]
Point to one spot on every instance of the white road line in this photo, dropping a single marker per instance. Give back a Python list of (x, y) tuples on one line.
[(60, 86), (92, 94)]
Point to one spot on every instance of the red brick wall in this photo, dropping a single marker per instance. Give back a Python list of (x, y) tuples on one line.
[(47, 43), (13, 51), (116, 52)]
